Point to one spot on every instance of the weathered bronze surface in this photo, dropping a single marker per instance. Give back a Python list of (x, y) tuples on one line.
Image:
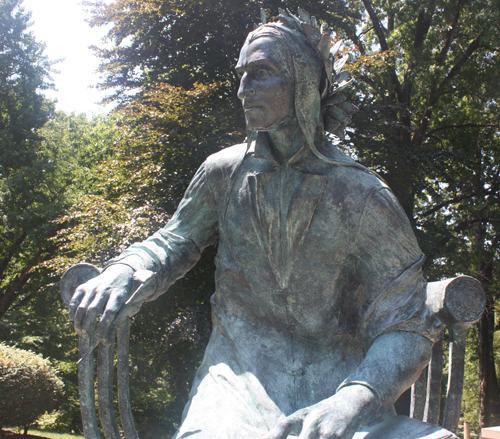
[(320, 319)]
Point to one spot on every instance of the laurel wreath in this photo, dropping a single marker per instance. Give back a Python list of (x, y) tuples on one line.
[(335, 110)]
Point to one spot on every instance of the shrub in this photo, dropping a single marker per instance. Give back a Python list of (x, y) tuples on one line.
[(29, 387)]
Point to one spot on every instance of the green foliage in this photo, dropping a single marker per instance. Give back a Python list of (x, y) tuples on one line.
[(24, 72), (28, 384), (42, 326), (429, 93), (55, 435), (30, 191), (159, 142), (38, 320), (130, 188)]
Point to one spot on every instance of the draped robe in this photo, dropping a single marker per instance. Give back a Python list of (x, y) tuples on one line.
[(315, 260)]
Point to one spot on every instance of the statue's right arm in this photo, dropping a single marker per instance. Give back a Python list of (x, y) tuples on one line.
[(169, 253)]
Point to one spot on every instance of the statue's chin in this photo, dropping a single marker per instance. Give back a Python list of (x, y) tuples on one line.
[(283, 123), (259, 126)]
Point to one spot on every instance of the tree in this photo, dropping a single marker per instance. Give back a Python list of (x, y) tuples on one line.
[(69, 147), (29, 384), (29, 196), (155, 149), (429, 124)]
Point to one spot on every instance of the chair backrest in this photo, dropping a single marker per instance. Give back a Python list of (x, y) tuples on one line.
[(458, 303), (75, 276)]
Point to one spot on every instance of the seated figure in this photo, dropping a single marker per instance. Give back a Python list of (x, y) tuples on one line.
[(319, 315)]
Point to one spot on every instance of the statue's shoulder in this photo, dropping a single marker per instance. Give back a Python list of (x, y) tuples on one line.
[(357, 177), (363, 189), (226, 158), (221, 165)]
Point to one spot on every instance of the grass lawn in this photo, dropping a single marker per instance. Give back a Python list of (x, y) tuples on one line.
[(54, 435), (37, 434)]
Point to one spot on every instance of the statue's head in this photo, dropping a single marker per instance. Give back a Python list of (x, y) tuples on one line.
[(279, 77), (288, 76)]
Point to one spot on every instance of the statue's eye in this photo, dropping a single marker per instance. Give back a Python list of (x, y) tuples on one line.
[(263, 72)]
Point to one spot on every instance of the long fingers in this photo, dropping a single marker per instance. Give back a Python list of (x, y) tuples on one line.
[(102, 295), (81, 301), (95, 309), (108, 319), (290, 425), (78, 296), (91, 300)]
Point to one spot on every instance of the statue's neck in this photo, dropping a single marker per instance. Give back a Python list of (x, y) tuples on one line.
[(285, 142)]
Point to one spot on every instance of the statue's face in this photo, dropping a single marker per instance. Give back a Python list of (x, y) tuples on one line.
[(266, 86)]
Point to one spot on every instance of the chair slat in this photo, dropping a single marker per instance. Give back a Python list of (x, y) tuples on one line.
[(86, 379), (105, 391), (418, 390), (123, 338), (435, 376), (458, 335)]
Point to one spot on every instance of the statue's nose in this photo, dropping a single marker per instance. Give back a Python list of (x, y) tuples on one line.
[(246, 87)]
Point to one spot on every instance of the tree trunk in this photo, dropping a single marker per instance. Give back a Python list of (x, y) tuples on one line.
[(8, 297), (489, 392)]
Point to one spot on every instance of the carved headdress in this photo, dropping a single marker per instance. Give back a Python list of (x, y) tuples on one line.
[(318, 74)]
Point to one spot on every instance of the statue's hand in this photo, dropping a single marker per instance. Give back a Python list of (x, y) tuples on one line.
[(104, 294), (337, 417)]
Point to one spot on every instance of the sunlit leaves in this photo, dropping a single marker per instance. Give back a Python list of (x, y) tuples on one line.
[(29, 192)]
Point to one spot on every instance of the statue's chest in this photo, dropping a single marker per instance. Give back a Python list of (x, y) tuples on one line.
[(287, 218)]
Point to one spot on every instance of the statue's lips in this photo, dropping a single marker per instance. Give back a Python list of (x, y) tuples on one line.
[(251, 108)]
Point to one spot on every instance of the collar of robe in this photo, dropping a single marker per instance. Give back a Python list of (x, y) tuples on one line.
[(304, 160)]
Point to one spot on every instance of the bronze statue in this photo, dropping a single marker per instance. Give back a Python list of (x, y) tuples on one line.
[(319, 315)]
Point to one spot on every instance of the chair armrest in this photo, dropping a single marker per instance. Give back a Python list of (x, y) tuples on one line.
[(460, 300), (457, 303)]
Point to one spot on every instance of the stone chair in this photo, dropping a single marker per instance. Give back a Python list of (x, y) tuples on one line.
[(457, 302)]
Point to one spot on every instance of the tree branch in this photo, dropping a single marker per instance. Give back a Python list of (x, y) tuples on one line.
[(450, 34), (491, 49), (491, 190), (465, 125), (446, 203), (435, 92), (5, 261), (12, 292), (376, 25), (421, 29), (368, 81), (473, 46), (383, 45), (468, 222), (364, 32)]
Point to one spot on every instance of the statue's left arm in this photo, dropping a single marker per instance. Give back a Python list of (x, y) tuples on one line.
[(396, 326)]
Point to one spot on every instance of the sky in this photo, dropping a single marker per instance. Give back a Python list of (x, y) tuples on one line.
[(61, 25)]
